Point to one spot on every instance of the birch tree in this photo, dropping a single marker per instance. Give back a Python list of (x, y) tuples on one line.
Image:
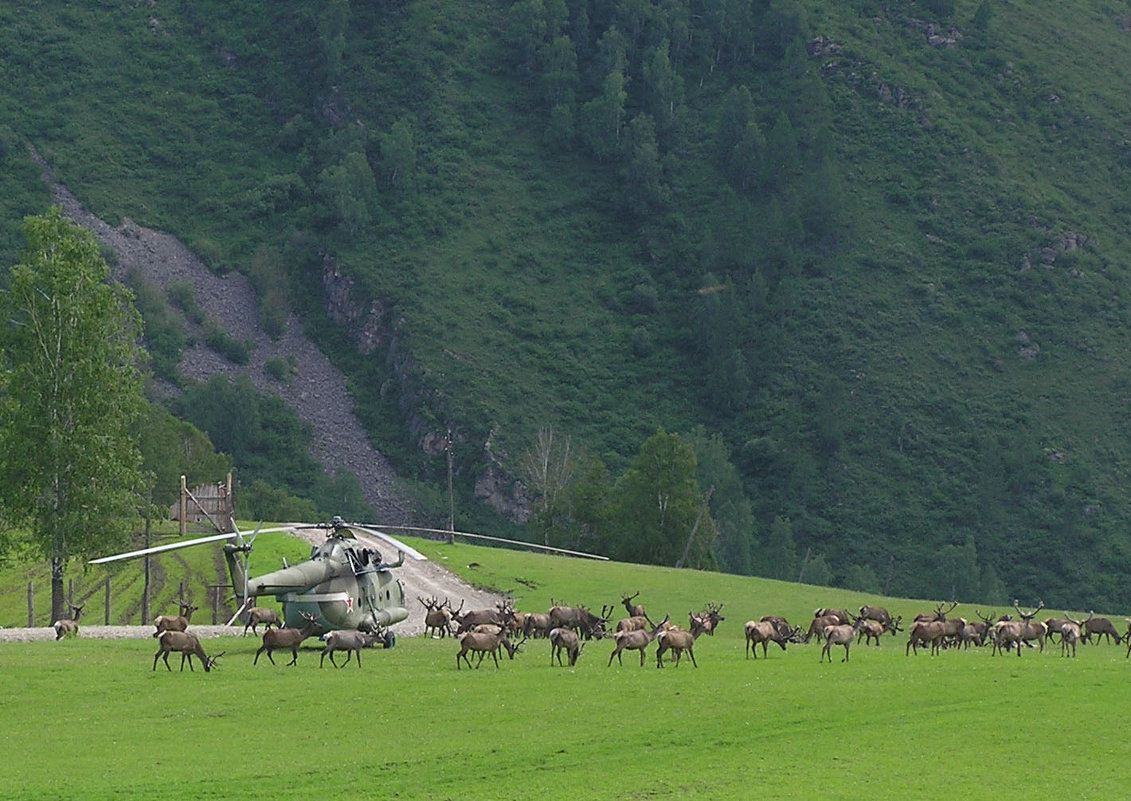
[(70, 390)]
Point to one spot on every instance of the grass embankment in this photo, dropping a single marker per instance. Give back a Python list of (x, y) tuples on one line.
[(409, 725)]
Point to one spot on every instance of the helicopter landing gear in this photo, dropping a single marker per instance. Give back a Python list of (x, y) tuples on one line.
[(390, 639)]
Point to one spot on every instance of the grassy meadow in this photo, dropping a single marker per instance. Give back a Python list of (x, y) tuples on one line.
[(409, 725)]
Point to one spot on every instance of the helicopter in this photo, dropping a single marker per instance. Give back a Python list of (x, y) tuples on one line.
[(344, 585)]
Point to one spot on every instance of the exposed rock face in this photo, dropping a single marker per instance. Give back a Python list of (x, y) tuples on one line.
[(317, 393)]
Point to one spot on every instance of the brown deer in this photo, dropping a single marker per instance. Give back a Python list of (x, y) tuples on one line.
[(869, 630), (841, 615), (637, 640), (187, 645), (260, 614), (634, 610), (708, 619), (819, 624), (840, 634), (1032, 629), (767, 631), (282, 639), (581, 620), (881, 616), (536, 625), (637, 623), (483, 643), (67, 626), (1070, 631), (348, 641), (175, 622), (565, 640), (437, 617), (1101, 627), (678, 641)]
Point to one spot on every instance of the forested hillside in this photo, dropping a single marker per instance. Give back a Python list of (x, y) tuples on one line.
[(860, 267)]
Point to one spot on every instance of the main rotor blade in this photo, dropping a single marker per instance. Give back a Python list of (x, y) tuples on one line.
[(407, 550), (173, 546)]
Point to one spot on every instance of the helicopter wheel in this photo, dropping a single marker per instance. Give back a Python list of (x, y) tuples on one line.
[(390, 639)]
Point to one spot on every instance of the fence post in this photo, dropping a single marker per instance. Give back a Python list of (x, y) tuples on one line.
[(30, 605), (107, 601)]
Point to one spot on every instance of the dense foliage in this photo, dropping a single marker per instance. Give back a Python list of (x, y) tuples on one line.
[(868, 259)]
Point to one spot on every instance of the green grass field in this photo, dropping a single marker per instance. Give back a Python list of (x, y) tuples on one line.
[(88, 718)]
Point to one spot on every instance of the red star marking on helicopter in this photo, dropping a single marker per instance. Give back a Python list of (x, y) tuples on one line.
[(349, 603)]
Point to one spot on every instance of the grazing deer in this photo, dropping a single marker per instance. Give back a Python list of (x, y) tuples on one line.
[(348, 641), (869, 630), (66, 626), (581, 620), (881, 616), (565, 640), (638, 623), (841, 615), (281, 639), (187, 645), (1101, 627), (175, 622), (767, 631), (484, 643), (260, 614), (840, 634)]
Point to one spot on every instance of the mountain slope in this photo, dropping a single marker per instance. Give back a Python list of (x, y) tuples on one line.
[(878, 248)]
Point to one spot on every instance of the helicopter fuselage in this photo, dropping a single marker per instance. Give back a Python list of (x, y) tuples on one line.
[(344, 585)]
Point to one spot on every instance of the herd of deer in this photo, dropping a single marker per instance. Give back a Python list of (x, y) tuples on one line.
[(569, 628)]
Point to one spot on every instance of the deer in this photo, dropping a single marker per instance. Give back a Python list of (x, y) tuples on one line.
[(484, 643), (634, 610), (348, 641), (635, 623), (282, 639), (819, 624), (840, 634), (1070, 631), (581, 620), (536, 624), (502, 615), (187, 645), (926, 632), (1030, 629), (708, 619), (765, 632), (869, 630), (881, 616), (66, 626), (1101, 627), (438, 617), (175, 622), (260, 614), (841, 615), (678, 641), (562, 639), (636, 640)]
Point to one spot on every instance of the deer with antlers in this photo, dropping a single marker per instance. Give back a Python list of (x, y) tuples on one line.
[(438, 616), (175, 622), (1102, 627)]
